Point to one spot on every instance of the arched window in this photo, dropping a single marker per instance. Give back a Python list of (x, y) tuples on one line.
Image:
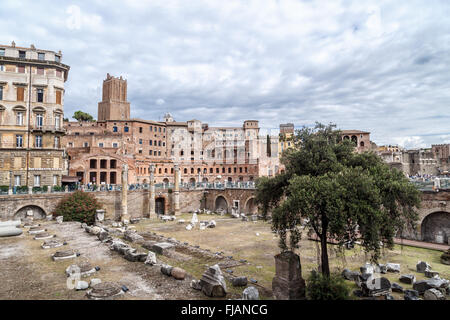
[(361, 143)]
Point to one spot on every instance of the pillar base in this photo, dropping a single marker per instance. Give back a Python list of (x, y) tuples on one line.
[(288, 283)]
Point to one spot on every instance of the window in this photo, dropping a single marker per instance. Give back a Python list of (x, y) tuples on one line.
[(19, 141), (20, 93), (21, 69), (37, 181), (159, 129), (70, 144), (38, 142), (22, 54), (159, 153), (114, 145), (57, 58), (159, 143), (100, 144), (150, 152), (57, 122), (55, 180), (2, 67), (150, 142), (114, 129), (1, 92), (140, 151), (140, 129), (41, 56), (140, 141), (86, 144), (2, 52), (40, 95), (39, 120), (150, 128), (16, 181), (58, 97), (59, 73), (125, 129)]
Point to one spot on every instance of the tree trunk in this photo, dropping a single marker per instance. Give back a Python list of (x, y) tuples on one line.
[(323, 244)]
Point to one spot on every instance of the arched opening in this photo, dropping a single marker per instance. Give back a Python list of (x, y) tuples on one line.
[(160, 205), (346, 137), (221, 204), (361, 143), (230, 179), (355, 140), (145, 181), (205, 180), (251, 207), (192, 181), (30, 211), (166, 181), (434, 224)]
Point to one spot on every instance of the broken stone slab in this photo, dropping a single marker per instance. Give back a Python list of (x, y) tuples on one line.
[(213, 283), (104, 236), (239, 281), (43, 236), (84, 269), (36, 230), (202, 226), (10, 231), (367, 269), (30, 225), (133, 236), (10, 223), (422, 266), (151, 259), (119, 246), (134, 256), (396, 287), (94, 281), (189, 227), (431, 273), (363, 278), (178, 273), (392, 267), (81, 285), (59, 219), (350, 275), (250, 293), (411, 295), (181, 221), (104, 291), (61, 255), (211, 224), (433, 294), (435, 283), (195, 284), (166, 269), (149, 244), (408, 278), (135, 220), (162, 247), (95, 230), (374, 287), (49, 244)]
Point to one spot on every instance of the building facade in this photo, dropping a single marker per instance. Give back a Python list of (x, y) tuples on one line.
[(97, 150), (31, 116)]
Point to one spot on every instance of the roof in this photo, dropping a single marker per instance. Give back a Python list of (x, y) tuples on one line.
[(353, 131)]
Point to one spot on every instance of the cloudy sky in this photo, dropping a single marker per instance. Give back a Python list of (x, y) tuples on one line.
[(380, 66)]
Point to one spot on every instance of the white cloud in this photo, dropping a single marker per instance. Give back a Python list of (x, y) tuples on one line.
[(368, 65)]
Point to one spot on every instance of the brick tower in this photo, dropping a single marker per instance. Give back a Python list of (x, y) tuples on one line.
[(114, 105)]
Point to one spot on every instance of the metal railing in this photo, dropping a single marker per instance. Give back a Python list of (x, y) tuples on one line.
[(431, 183)]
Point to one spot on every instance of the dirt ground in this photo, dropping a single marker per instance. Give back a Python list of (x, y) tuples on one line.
[(255, 242), (28, 272)]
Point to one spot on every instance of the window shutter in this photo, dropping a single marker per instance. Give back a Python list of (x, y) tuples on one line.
[(20, 94), (58, 97)]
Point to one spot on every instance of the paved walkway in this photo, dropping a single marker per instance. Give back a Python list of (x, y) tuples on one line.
[(421, 244)]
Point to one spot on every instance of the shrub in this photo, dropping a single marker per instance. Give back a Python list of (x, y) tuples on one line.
[(78, 206), (169, 190), (4, 188), (320, 287)]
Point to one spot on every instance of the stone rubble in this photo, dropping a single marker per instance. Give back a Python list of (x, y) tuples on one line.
[(250, 293), (213, 283)]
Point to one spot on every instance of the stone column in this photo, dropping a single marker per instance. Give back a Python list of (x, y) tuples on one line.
[(124, 216), (152, 191), (288, 283), (176, 191)]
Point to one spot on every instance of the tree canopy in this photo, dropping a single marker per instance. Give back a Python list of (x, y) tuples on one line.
[(82, 116), (339, 194)]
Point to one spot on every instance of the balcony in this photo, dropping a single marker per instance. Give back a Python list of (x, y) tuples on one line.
[(52, 129)]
